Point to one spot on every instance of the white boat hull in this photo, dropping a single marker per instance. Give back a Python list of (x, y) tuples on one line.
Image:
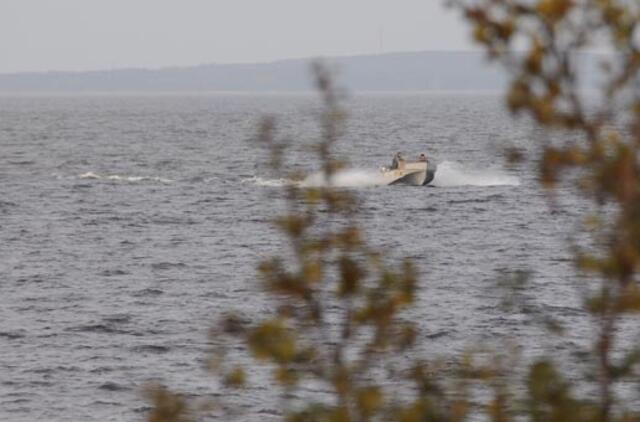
[(417, 173)]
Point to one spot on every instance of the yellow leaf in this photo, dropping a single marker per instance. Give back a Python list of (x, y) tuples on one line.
[(554, 10), (236, 378), (369, 400)]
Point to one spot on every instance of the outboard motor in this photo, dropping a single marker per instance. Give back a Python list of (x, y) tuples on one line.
[(431, 172)]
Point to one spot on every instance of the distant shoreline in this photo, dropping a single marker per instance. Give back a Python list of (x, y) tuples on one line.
[(237, 93), (307, 59), (402, 72), (417, 72)]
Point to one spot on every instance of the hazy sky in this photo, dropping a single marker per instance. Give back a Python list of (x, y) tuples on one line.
[(40, 35)]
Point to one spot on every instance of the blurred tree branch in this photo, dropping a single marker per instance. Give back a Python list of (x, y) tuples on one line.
[(546, 77), (340, 318)]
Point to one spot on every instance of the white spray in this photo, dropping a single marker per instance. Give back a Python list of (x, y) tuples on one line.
[(451, 173), (448, 174)]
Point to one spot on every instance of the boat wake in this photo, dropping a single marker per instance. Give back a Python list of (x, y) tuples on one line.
[(118, 178), (448, 174), (260, 181), (350, 178), (451, 173)]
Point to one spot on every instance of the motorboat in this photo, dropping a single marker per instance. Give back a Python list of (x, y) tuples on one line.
[(414, 173)]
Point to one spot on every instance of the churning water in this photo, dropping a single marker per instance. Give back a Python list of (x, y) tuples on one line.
[(128, 224)]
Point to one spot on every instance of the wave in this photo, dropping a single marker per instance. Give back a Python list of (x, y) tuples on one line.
[(451, 173), (90, 175), (119, 178)]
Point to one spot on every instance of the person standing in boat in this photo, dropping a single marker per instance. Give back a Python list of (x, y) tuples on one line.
[(422, 157), (397, 159)]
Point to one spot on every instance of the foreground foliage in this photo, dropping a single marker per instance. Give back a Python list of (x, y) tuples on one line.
[(599, 151), (339, 321)]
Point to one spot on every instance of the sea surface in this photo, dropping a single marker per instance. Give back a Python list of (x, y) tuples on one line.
[(130, 223)]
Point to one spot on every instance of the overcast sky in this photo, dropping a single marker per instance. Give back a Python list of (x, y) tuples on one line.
[(38, 35)]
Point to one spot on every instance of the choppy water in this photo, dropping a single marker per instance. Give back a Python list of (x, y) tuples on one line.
[(129, 223)]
